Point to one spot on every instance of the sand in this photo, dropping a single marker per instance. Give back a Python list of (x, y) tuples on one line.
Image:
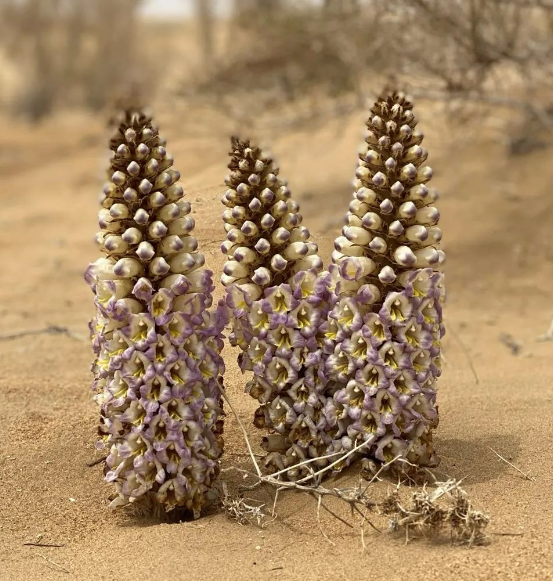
[(497, 214)]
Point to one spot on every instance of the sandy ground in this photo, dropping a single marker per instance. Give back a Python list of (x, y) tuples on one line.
[(497, 214)]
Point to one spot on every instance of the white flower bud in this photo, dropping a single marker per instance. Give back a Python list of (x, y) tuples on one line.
[(377, 122), (397, 149), (343, 245), (130, 195), (145, 251), (163, 180), (133, 169), (132, 236), (373, 158), (147, 134), (408, 172), (426, 257), (416, 233), (262, 276), (290, 221), (429, 215), (295, 251), (119, 211), (397, 188), (372, 221), (363, 173), (244, 254), (378, 245), (239, 213), (262, 246), (308, 263), (255, 205), (182, 226), (169, 212), (145, 186), (171, 244), (386, 206), (119, 178), (418, 193), (366, 196), (142, 150), (141, 217), (227, 280), (127, 268), (115, 244), (236, 235), (407, 210), (404, 256), (395, 228), (130, 135), (353, 220), (390, 164), (279, 209), (424, 174), (236, 269), (357, 235), (174, 193), (280, 236), (267, 221), (414, 152), (250, 229), (267, 196), (299, 234), (405, 131), (387, 275), (157, 229), (379, 179), (156, 200), (359, 208), (182, 263), (278, 263)]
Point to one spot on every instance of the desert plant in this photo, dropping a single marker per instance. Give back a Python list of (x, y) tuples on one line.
[(387, 319), (157, 372), (345, 361), (278, 299)]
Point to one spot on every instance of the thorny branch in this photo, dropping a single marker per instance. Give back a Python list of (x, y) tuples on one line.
[(429, 512)]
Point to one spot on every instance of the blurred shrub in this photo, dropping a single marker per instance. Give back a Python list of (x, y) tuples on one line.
[(69, 52)]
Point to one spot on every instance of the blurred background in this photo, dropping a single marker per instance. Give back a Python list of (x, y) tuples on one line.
[(298, 76)]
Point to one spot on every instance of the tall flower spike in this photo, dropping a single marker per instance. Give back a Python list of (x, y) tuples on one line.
[(388, 293), (279, 302), (158, 369)]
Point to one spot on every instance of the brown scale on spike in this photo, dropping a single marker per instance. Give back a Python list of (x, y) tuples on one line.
[(266, 242), (392, 219)]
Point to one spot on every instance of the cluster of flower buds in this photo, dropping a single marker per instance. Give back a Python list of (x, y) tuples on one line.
[(387, 319), (279, 300), (158, 367)]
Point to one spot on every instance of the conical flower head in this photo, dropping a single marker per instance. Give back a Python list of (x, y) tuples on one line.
[(158, 366), (266, 243), (388, 292)]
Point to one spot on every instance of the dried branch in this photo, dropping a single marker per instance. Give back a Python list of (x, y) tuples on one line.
[(50, 330), (526, 476)]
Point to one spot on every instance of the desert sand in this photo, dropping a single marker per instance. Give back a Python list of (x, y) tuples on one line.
[(497, 213)]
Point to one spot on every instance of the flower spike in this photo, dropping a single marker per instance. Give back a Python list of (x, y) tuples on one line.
[(278, 300), (389, 291), (158, 369)]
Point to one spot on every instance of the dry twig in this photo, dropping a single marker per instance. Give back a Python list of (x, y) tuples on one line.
[(96, 462), (526, 476), (425, 515), (50, 330), (52, 545)]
